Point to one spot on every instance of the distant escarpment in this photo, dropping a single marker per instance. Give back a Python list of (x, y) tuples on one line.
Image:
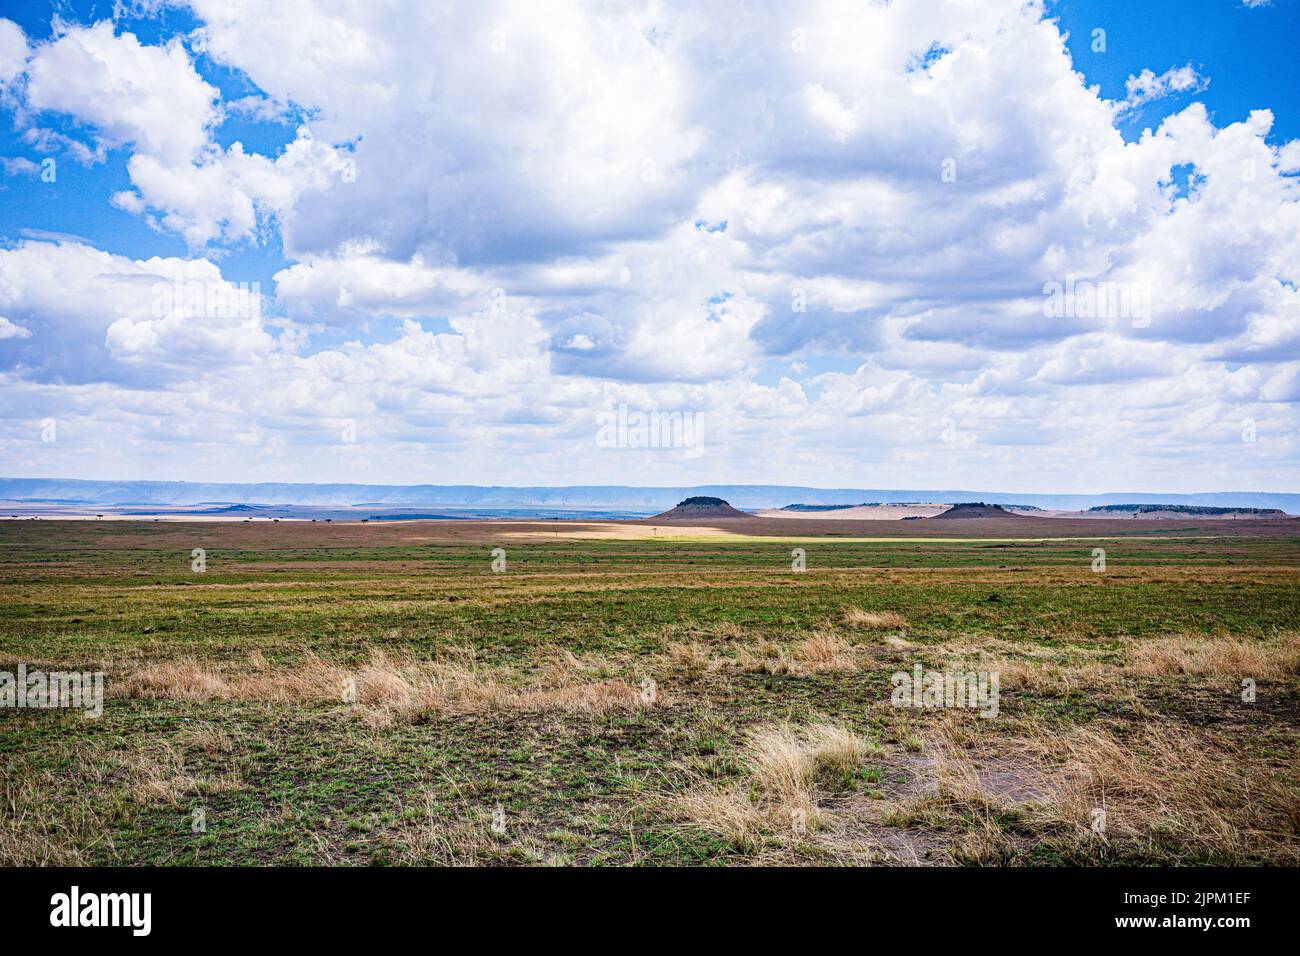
[(1182, 511)]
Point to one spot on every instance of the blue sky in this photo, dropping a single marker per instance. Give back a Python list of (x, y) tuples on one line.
[(1249, 54), (472, 229)]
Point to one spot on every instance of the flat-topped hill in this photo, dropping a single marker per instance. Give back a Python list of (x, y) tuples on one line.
[(700, 506), (976, 509)]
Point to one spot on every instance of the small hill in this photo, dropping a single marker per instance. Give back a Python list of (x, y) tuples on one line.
[(701, 506), (976, 509)]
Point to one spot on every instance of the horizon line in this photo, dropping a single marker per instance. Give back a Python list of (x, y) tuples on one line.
[(657, 487)]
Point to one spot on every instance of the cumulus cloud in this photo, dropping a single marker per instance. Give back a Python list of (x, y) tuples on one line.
[(356, 283), (131, 93), (85, 315), (227, 194), (13, 51), (487, 132), (1146, 86)]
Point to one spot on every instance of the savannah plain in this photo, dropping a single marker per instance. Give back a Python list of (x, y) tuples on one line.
[(627, 693)]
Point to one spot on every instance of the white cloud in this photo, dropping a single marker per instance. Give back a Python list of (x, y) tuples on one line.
[(92, 316), (19, 166), (227, 194), (146, 96), (9, 330), (487, 132), (357, 283), (1146, 86), (13, 51)]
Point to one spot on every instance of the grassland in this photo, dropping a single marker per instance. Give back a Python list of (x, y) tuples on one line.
[(349, 694)]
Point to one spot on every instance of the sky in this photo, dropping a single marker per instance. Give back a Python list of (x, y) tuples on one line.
[(1043, 246)]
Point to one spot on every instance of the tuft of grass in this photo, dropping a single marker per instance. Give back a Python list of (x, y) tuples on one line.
[(429, 841), (160, 774), (1199, 656), (775, 799), (206, 737), (690, 657), (174, 680), (822, 653), (186, 679), (876, 620)]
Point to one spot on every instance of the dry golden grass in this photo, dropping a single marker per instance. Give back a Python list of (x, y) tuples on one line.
[(727, 631), (965, 803), (36, 832), (555, 660), (404, 692), (159, 774), (1051, 670), (311, 680), (1048, 670), (62, 818), (1166, 790), (881, 620), (378, 684), (783, 760), (600, 697), (822, 653), (386, 690), (1041, 677), (428, 841), (1199, 656), (209, 738), (690, 657), (1186, 788), (775, 800), (174, 680)]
